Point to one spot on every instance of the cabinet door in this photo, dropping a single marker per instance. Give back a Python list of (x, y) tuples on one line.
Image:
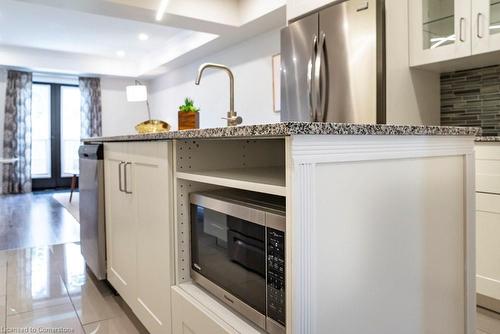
[(297, 8), (190, 318), (439, 30), (485, 26), (120, 224), (488, 245), (152, 191)]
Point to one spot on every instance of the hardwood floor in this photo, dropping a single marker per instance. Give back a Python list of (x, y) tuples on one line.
[(31, 220)]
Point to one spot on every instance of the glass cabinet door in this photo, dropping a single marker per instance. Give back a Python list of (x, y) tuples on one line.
[(494, 24), (439, 30), (486, 26), (438, 23)]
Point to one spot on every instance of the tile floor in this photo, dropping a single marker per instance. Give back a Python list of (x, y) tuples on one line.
[(487, 322), (48, 287), (33, 220)]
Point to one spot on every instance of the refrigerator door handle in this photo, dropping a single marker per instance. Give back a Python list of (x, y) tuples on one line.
[(321, 101), (310, 80)]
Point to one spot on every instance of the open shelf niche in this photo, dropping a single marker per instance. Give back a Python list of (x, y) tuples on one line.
[(254, 165), (249, 164)]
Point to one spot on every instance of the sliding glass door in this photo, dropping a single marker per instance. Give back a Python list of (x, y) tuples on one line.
[(56, 134)]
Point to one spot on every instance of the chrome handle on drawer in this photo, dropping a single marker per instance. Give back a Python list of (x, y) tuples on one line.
[(126, 185), (120, 176)]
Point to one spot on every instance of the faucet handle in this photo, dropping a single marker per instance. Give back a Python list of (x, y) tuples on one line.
[(233, 120)]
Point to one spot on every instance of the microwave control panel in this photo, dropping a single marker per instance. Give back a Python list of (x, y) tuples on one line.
[(276, 303)]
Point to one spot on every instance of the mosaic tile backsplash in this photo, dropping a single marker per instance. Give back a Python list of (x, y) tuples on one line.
[(472, 98)]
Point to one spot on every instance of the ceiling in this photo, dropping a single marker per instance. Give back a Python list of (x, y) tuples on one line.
[(122, 37)]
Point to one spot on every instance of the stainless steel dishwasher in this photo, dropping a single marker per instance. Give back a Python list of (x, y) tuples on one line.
[(92, 220)]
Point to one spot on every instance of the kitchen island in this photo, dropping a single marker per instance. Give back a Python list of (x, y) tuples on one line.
[(380, 224)]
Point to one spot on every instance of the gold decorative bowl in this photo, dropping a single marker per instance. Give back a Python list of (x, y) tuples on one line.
[(152, 126)]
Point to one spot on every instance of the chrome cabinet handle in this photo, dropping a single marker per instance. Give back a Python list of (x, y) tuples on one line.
[(480, 25), (462, 22), (324, 81), (310, 73), (125, 183), (120, 176)]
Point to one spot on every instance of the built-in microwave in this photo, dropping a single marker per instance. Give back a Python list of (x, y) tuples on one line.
[(238, 252)]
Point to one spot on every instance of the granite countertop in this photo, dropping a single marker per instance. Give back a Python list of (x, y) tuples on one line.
[(487, 139), (298, 128)]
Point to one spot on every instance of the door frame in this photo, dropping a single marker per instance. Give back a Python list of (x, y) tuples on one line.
[(55, 181)]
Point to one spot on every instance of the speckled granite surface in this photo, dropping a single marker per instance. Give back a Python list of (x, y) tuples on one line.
[(299, 128), (488, 139)]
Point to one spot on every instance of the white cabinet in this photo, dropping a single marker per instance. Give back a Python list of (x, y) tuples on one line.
[(488, 245), (189, 317), (444, 30), (488, 225), (120, 225), (439, 30), (486, 30), (296, 8), (138, 181)]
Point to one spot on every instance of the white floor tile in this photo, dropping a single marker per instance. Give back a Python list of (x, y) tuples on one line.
[(62, 316), (121, 325)]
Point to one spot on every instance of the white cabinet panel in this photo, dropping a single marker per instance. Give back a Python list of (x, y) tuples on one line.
[(296, 8), (488, 245), (152, 191)]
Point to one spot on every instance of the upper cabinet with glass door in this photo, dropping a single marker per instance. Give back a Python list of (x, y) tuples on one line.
[(439, 30), (486, 30)]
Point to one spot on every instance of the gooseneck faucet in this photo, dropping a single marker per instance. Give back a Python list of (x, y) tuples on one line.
[(232, 117)]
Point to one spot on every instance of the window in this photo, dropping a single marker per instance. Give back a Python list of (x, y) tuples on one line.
[(70, 130), (56, 134), (41, 132)]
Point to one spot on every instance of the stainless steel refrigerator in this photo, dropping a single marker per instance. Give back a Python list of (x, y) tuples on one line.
[(333, 65)]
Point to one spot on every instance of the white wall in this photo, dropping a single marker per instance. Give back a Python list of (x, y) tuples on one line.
[(251, 62), (119, 116), (3, 86)]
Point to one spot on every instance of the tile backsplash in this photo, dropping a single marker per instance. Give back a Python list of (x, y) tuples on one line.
[(472, 98)]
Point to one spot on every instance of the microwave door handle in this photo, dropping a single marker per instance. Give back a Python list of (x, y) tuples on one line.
[(310, 79), (323, 81)]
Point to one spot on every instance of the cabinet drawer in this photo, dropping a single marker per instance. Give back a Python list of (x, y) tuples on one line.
[(488, 151), (488, 176), (488, 203), (190, 318)]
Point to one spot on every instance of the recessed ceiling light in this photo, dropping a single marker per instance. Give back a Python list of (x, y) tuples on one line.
[(161, 10), (143, 37), (120, 53)]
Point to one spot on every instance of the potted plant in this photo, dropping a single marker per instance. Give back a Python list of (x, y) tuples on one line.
[(189, 116)]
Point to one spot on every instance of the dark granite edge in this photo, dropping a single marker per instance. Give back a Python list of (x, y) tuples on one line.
[(298, 128), (487, 139)]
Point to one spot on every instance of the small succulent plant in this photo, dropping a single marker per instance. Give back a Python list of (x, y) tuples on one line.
[(188, 106)]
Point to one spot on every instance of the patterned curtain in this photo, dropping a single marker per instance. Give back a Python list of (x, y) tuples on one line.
[(90, 107), (17, 133)]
